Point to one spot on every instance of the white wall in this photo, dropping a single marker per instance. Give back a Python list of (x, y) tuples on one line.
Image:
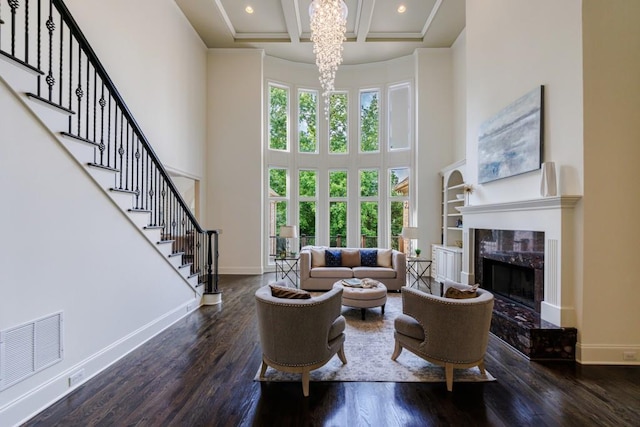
[(611, 42), (234, 157), (158, 63), (459, 64), (434, 126), (513, 46), (591, 132), (67, 247), (235, 142)]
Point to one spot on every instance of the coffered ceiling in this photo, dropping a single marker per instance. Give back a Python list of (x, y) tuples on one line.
[(376, 30)]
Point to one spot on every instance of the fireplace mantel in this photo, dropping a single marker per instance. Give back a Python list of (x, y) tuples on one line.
[(558, 202), (551, 215)]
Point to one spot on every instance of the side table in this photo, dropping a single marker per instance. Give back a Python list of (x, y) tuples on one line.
[(416, 269), (289, 268)]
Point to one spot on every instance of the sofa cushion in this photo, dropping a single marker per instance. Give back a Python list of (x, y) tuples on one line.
[(333, 257), (289, 293), (384, 258), (408, 326), (374, 273), (317, 258), (350, 257), (369, 257), (332, 272)]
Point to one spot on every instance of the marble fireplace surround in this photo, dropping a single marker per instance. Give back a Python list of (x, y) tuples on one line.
[(551, 215)]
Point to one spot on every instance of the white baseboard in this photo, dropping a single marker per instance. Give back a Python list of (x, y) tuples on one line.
[(254, 271), (589, 354), (28, 405)]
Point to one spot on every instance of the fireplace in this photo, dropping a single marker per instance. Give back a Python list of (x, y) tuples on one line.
[(510, 264), (510, 281)]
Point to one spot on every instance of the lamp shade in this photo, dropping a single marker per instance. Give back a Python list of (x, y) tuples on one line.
[(409, 233), (289, 231)]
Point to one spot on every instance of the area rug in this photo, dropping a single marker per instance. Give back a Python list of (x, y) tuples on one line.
[(368, 348)]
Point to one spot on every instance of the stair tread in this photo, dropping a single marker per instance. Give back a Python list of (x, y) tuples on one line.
[(162, 242), (153, 227), (50, 104), (122, 190), (139, 210), (189, 264), (79, 138), (96, 165), (27, 67), (175, 253)]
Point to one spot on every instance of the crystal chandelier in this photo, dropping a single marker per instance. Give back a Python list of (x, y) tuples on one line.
[(328, 26)]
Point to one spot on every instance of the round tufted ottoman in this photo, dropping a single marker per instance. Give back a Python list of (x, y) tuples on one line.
[(364, 298)]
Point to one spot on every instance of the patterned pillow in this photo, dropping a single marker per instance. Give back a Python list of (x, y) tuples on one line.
[(350, 258), (289, 293), (461, 294), (333, 257), (369, 257)]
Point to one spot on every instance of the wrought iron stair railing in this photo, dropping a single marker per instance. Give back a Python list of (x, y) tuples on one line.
[(42, 36)]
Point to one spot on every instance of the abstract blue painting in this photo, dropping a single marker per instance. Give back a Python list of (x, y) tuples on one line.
[(510, 143)]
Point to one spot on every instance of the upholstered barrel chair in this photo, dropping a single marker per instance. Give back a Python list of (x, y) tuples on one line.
[(453, 333), (300, 335)]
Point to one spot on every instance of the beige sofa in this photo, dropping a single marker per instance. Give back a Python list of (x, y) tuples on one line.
[(390, 267)]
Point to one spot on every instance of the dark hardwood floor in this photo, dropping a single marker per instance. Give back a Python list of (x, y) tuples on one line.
[(200, 373)]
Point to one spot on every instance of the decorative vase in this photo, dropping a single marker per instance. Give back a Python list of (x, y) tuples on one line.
[(548, 185)]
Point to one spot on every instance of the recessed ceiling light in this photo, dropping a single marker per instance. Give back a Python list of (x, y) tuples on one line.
[(248, 9), (402, 8)]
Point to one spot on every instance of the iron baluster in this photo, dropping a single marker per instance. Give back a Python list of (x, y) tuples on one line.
[(102, 145), (137, 191), (88, 90), (70, 79), (121, 149), (51, 26), (61, 62), (26, 31), (13, 4), (79, 91)]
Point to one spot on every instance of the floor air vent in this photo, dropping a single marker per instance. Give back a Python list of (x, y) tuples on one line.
[(29, 348)]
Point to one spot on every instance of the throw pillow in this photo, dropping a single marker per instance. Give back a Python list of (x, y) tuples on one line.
[(384, 258), (317, 258), (369, 257), (289, 293), (333, 257), (350, 258), (461, 294)]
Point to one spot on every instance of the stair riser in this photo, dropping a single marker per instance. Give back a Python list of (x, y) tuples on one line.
[(123, 200), (104, 178), (165, 248)]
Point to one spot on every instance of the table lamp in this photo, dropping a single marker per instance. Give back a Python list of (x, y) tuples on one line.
[(410, 234), (288, 232)]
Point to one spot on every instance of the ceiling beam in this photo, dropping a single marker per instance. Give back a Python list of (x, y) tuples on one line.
[(363, 19), (430, 19), (291, 11)]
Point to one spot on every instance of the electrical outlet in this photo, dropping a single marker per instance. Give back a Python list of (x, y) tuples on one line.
[(76, 378), (630, 355)]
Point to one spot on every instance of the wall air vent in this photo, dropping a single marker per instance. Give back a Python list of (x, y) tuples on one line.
[(29, 348)]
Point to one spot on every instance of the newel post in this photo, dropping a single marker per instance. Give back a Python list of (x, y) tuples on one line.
[(212, 295)]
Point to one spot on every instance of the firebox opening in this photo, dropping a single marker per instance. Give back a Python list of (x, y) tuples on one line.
[(511, 281)]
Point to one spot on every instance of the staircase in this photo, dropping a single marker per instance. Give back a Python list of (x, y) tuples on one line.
[(49, 65)]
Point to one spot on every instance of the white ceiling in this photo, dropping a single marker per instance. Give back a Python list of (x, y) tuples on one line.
[(375, 30)]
